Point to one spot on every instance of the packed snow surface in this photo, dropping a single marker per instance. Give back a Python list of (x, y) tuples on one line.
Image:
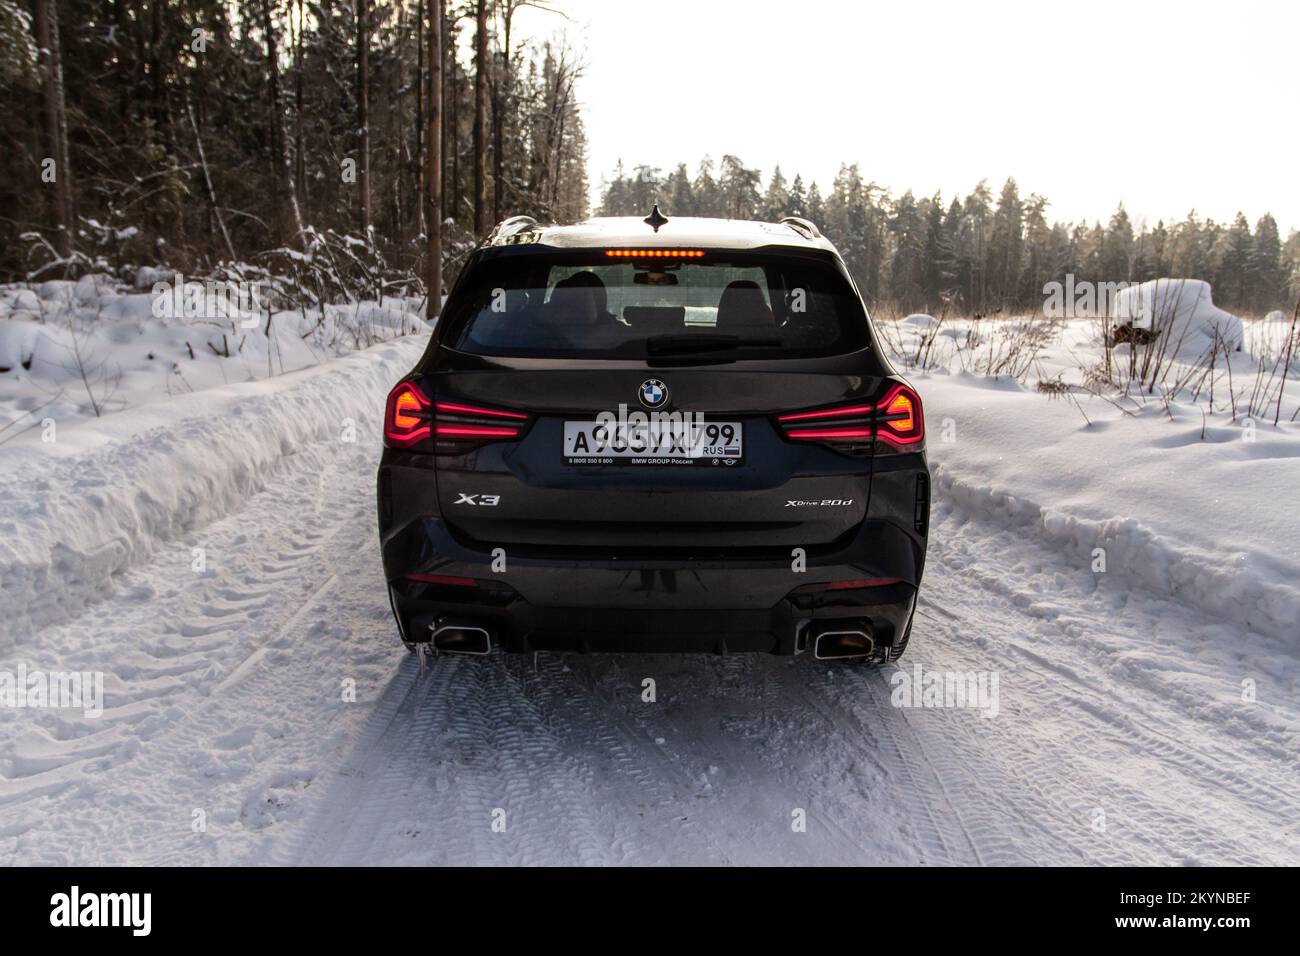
[(258, 707)]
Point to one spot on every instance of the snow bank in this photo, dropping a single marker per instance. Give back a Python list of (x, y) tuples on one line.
[(105, 494), (71, 350), (1183, 307), (1213, 583), (1184, 508)]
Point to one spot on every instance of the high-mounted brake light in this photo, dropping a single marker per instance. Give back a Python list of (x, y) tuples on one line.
[(406, 419), (895, 420), (654, 253), (411, 418)]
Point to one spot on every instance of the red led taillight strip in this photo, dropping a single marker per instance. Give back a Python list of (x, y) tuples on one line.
[(406, 418), (410, 419), (900, 416), (830, 434), (471, 410), (474, 431), (828, 413), (895, 420)]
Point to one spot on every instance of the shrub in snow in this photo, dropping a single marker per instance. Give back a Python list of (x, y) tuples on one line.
[(1182, 310)]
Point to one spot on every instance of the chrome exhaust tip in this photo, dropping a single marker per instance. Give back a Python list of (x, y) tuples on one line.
[(843, 645), (451, 638)]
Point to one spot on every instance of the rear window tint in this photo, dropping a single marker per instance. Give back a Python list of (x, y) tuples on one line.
[(585, 304)]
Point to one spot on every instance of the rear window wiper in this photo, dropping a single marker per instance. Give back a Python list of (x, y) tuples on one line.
[(675, 344)]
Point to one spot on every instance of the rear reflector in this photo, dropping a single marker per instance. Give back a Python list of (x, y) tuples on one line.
[(862, 583), (446, 579)]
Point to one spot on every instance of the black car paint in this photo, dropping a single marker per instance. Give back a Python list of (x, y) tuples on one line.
[(644, 557)]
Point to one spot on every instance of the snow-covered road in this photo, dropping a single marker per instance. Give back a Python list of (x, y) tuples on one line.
[(1121, 734)]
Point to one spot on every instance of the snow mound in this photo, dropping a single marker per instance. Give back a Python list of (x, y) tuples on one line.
[(72, 350), (921, 321), (1181, 309), (106, 494)]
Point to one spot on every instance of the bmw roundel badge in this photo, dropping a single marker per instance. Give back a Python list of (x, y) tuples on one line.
[(653, 393)]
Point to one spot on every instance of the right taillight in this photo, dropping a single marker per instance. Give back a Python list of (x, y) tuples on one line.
[(899, 421), (895, 422)]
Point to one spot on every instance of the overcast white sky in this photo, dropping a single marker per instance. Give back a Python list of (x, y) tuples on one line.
[(1164, 105)]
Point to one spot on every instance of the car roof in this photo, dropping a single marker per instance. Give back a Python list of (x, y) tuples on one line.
[(676, 231)]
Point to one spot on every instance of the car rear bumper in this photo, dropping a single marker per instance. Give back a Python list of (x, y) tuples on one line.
[(652, 603)]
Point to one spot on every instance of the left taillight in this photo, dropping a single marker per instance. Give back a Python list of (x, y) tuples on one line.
[(895, 421), (408, 418), (412, 417)]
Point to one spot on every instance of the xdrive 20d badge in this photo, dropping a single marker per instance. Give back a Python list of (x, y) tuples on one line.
[(655, 435)]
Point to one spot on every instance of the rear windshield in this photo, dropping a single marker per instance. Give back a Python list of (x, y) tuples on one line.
[(591, 305)]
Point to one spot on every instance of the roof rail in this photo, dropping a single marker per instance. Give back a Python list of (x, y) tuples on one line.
[(511, 227), (802, 226)]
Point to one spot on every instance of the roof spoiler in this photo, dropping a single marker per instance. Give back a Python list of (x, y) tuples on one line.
[(513, 226), (802, 226)]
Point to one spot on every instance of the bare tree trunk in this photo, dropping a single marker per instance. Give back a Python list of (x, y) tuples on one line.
[(282, 173), (451, 142), (299, 152), (500, 106), (54, 119), (421, 161), (207, 182), (363, 109), (433, 171), (480, 121)]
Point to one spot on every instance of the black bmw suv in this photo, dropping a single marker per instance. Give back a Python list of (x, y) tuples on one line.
[(655, 435)]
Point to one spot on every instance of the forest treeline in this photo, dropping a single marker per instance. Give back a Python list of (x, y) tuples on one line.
[(185, 133), (976, 254)]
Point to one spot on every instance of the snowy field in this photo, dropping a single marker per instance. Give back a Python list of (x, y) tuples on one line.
[(1126, 564)]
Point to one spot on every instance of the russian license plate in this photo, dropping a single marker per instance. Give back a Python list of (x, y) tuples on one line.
[(653, 443)]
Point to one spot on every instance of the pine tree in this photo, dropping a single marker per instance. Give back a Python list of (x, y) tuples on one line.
[(776, 198), (1266, 279), (738, 188), (796, 203), (936, 261), (1005, 247)]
